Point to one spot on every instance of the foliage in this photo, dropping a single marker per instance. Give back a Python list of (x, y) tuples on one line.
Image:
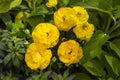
[(101, 53)]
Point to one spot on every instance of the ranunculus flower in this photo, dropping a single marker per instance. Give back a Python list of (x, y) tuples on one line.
[(51, 3), (64, 18), (81, 14), (70, 52), (46, 34), (37, 57), (84, 31)]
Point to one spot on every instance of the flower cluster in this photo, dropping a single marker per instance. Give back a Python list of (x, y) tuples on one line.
[(67, 18), (46, 36), (38, 55)]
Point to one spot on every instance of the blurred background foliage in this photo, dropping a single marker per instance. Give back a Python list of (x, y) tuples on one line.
[(101, 59)]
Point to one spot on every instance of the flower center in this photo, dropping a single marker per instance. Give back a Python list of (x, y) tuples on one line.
[(78, 14), (63, 18), (84, 26), (70, 52)]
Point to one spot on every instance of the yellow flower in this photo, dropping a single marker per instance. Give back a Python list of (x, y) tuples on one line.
[(81, 14), (70, 52), (37, 57), (84, 31), (46, 34), (63, 18), (51, 3)]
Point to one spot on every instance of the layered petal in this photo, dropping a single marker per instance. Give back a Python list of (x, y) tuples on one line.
[(64, 18), (81, 14), (51, 3), (46, 34), (84, 31), (70, 52), (37, 57)]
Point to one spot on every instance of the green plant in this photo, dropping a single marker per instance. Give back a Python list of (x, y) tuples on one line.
[(101, 54)]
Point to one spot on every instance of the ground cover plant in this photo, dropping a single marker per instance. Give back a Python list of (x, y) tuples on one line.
[(59, 39)]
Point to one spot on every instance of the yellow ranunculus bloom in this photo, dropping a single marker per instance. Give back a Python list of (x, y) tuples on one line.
[(70, 52), (81, 14), (46, 34), (63, 18), (84, 31), (37, 57), (51, 3)]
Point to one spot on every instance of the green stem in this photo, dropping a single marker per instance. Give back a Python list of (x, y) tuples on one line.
[(34, 3), (55, 8), (108, 25), (118, 34), (114, 27)]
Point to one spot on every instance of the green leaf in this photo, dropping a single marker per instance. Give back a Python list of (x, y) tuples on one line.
[(54, 76), (15, 3), (115, 2), (20, 56), (82, 76), (17, 27), (41, 10), (60, 77), (7, 5), (115, 28), (100, 4), (67, 76), (10, 45), (45, 75), (1, 61), (65, 2), (38, 1), (95, 67), (2, 54), (30, 3), (22, 50), (7, 58), (110, 78), (94, 19), (101, 57), (114, 64), (115, 33), (70, 77), (2, 46), (115, 45), (6, 18), (93, 48), (16, 61), (35, 20), (116, 12)]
